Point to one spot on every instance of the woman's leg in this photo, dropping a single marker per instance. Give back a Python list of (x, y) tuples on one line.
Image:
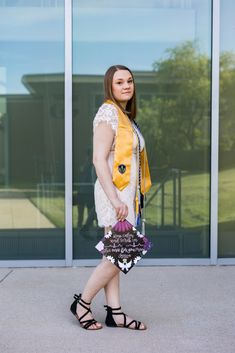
[(102, 274), (112, 292)]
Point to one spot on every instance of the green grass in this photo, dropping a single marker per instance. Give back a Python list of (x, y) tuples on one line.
[(227, 196), (194, 202), (54, 209)]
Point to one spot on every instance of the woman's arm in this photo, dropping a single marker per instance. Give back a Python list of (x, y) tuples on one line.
[(102, 143)]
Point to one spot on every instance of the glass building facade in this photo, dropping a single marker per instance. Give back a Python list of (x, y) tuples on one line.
[(53, 55)]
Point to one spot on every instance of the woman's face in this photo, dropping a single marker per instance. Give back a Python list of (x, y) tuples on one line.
[(122, 86)]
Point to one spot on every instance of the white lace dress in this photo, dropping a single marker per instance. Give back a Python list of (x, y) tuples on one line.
[(105, 211)]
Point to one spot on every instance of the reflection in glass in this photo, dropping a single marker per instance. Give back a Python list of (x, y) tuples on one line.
[(31, 131), (169, 54), (227, 132)]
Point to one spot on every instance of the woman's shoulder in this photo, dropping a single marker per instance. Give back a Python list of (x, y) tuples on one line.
[(107, 109), (107, 113)]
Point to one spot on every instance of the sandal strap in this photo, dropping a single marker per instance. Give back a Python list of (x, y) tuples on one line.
[(106, 306), (137, 324), (84, 323), (88, 323), (85, 302), (80, 301), (88, 311), (79, 297)]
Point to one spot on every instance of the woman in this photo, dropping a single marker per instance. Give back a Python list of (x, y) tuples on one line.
[(118, 150)]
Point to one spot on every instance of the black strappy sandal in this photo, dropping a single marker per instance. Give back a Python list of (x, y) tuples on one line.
[(111, 322), (85, 323)]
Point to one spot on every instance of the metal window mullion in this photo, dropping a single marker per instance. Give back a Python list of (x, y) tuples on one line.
[(68, 133), (215, 130)]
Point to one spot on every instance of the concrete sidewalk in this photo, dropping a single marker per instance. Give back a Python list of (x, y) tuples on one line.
[(186, 309)]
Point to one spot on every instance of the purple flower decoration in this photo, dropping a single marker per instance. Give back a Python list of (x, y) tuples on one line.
[(122, 227), (147, 243)]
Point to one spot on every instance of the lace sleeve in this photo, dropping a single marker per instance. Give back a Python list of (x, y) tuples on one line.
[(107, 113)]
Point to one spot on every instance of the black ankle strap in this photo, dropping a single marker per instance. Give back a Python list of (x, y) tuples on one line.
[(106, 306), (85, 302), (79, 297)]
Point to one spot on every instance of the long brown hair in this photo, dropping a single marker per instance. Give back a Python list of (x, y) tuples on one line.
[(108, 79)]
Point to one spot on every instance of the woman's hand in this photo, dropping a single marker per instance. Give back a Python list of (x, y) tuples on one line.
[(121, 209)]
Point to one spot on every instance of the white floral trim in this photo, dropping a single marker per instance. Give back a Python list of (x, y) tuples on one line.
[(107, 113)]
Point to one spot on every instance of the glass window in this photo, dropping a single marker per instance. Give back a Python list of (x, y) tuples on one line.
[(31, 130), (227, 132), (167, 44)]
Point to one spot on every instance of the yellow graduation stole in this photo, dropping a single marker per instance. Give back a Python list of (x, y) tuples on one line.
[(123, 155)]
